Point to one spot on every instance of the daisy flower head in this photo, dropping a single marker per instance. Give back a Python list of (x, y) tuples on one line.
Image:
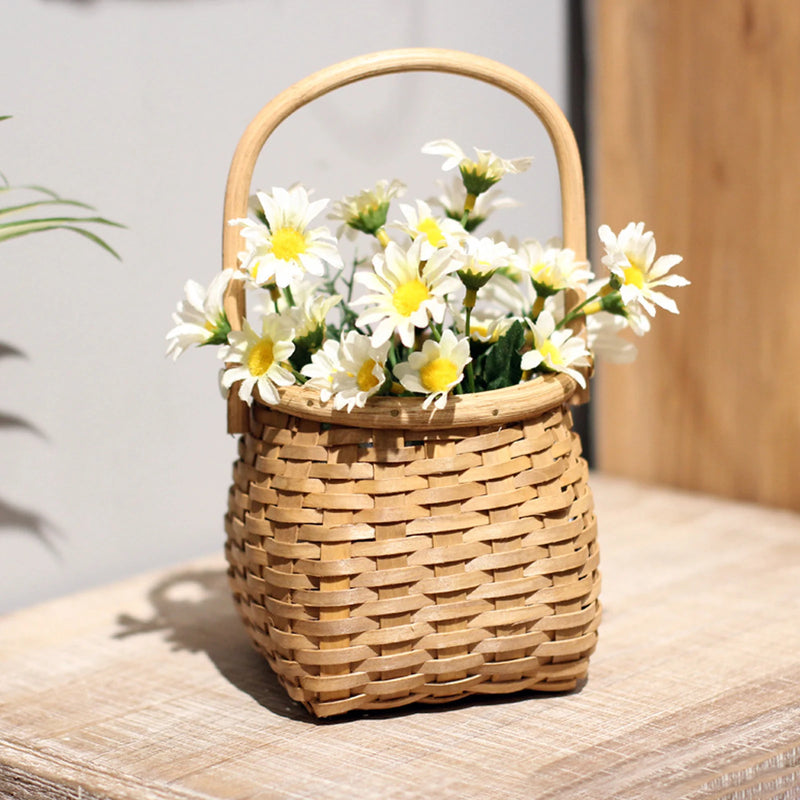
[(630, 256), (453, 199), (505, 296), (603, 333), (478, 175), (480, 259), (608, 300), (286, 248), (260, 359), (556, 350), (200, 318), (551, 267), (484, 326), (404, 291), (309, 314), (367, 210), (361, 371), (436, 369), (322, 368), (435, 232)]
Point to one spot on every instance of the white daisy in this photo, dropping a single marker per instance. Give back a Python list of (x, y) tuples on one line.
[(551, 267), (260, 359), (366, 211), (610, 301), (556, 350), (437, 369), (483, 326), (286, 247), (322, 368), (361, 372), (603, 332), (453, 199), (405, 291), (480, 259), (310, 311), (631, 258), (435, 232), (478, 176), (200, 318), (504, 297)]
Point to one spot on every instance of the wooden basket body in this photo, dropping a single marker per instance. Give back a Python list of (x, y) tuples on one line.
[(375, 568)]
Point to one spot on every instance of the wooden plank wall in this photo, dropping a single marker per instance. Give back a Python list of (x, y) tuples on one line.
[(696, 131)]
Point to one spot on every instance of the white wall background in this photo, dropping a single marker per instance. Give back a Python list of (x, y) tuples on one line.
[(136, 106)]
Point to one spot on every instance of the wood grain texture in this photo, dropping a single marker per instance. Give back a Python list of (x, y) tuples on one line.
[(150, 690), (696, 117)]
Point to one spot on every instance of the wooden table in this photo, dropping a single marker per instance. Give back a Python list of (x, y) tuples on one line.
[(149, 688)]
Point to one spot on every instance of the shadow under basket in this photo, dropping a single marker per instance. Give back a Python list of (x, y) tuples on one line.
[(377, 566)]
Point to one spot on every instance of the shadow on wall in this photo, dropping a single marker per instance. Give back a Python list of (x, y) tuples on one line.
[(12, 516)]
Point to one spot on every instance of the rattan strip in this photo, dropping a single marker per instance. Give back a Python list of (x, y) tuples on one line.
[(426, 569)]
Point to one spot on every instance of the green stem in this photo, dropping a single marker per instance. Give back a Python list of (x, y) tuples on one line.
[(350, 286), (392, 357), (576, 312), (470, 371), (287, 292), (469, 204)]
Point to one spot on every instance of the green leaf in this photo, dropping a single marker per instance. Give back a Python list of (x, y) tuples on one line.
[(13, 230), (59, 221), (38, 203), (501, 364)]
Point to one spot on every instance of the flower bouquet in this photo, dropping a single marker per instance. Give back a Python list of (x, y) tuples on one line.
[(410, 518), (436, 310)]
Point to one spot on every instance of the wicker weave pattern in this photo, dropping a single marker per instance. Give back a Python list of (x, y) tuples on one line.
[(375, 568)]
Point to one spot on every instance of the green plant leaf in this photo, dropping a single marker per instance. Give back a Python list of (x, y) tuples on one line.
[(38, 203), (501, 364), (12, 230), (45, 221)]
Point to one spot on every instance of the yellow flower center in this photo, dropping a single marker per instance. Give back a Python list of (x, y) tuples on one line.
[(260, 358), (543, 273), (288, 244), (430, 227), (409, 296), (549, 349), (634, 275), (438, 375), (365, 379)]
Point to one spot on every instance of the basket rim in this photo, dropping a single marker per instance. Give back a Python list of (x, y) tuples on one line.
[(495, 407)]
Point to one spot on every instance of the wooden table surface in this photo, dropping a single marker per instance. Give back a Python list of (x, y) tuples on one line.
[(149, 688)]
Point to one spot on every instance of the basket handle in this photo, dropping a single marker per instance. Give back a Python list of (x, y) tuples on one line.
[(384, 63)]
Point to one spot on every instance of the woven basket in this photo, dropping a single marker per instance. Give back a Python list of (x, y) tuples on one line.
[(392, 555)]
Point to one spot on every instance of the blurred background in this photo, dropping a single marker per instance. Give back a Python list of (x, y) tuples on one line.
[(114, 460)]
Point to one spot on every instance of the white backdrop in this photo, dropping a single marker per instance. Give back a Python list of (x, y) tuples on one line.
[(113, 459)]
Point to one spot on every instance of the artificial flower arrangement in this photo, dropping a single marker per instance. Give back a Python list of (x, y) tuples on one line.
[(436, 310)]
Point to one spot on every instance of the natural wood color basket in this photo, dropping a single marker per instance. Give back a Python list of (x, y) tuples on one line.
[(393, 555)]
